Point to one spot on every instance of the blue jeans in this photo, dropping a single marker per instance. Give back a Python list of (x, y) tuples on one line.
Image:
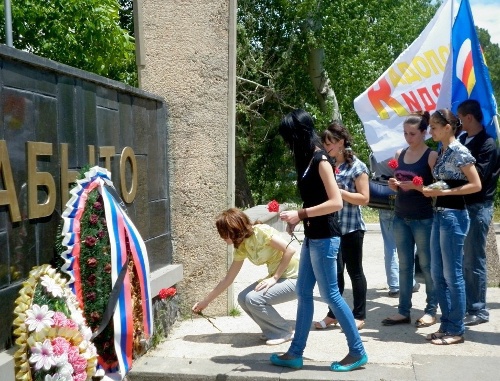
[(390, 253), (449, 229), (480, 215), (318, 263), (409, 233)]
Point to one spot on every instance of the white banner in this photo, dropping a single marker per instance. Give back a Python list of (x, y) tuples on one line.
[(412, 83)]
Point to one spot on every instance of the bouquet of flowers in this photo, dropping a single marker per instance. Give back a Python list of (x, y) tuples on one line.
[(52, 334)]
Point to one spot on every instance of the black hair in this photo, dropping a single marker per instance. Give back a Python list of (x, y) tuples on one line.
[(297, 130), (337, 131), (444, 117), (420, 118), (471, 106)]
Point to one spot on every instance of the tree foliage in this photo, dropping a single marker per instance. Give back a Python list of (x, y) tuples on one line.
[(86, 34), (275, 38)]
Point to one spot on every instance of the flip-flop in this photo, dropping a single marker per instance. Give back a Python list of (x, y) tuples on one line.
[(420, 323), (448, 340), (322, 324)]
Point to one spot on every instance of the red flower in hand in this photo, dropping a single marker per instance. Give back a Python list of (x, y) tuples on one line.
[(393, 163), (273, 206), (167, 293), (417, 180)]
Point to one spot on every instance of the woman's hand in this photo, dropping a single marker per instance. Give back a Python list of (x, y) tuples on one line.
[(393, 184), (429, 192), (265, 284), (290, 216), (200, 306)]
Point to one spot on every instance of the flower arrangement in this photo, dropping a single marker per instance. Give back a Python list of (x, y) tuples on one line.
[(273, 206), (393, 163), (93, 253), (417, 180), (53, 337)]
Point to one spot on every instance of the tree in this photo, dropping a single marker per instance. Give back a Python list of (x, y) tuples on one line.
[(82, 33), (352, 43)]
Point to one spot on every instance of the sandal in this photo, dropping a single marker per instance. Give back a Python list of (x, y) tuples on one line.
[(435, 335), (421, 323), (448, 340), (322, 324)]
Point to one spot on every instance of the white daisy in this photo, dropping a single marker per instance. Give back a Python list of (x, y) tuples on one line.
[(51, 286), (42, 355), (39, 318)]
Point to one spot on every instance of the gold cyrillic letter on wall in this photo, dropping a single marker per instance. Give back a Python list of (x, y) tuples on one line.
[(106, 153), (39, 179), (8, 196), (67, 176), (128, 195)]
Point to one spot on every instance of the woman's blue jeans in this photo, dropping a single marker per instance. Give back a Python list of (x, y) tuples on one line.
[(318, 263), (449, 229), (409, 233)]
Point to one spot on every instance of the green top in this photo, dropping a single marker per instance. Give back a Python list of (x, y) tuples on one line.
[(258, 251)]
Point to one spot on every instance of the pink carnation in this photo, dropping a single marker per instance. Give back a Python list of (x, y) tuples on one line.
[(71, 324), (82, 376), (60, 345), (79, 365), (73, 354), (94, 218), (59, 319)]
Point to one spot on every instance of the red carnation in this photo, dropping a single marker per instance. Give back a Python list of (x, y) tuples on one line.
[(92, 262), (94, 218), (90, 241), (417, 180), (273, 206), (107, 268), (337, 171), (167, 293), (393, 163), (90, 296), (91, 280), (97, 205)]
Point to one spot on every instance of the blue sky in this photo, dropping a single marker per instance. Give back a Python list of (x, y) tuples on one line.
[(486, 15)]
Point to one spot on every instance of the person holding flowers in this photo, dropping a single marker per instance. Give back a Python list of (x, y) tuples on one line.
[(413, 216), (261, 244), (318, 259), (455, 167)]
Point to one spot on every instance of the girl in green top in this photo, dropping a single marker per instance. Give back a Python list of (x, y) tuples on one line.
[(262, 245)]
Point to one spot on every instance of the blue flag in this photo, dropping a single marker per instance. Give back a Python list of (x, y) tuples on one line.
[(471, 77)]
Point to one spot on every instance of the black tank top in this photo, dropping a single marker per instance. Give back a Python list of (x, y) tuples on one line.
[(313, 193), (413, 204)]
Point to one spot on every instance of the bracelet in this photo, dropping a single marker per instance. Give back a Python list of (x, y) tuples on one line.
[(302, 214)]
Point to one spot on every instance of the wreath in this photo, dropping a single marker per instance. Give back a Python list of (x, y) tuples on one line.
[(53, 337)]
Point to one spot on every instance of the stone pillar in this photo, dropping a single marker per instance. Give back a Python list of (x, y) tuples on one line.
[(187, 56)]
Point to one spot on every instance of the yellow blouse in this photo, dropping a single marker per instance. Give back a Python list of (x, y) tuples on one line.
[(258, 251)]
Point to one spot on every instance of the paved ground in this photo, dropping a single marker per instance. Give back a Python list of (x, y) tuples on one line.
[(195, 350)]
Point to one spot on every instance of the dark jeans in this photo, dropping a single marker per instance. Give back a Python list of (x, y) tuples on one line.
[(351, 257)]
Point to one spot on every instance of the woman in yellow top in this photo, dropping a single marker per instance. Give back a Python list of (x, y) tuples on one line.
[(262, 245)]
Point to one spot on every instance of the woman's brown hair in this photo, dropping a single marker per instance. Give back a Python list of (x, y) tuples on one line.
[(235, 225), (336, 131)]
